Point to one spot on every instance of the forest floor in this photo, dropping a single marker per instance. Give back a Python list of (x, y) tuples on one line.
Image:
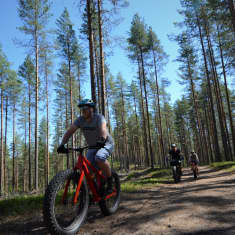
[(202, 207)]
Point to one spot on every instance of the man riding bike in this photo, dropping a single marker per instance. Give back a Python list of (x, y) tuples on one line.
[(175, 155), (193, 158), (94, 128)]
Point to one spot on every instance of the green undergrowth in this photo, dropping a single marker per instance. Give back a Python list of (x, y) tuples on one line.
[(142, 179), (20, 205), (228, 166), (136, 181)]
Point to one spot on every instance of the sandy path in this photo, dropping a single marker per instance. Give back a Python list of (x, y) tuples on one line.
[(202, 207)]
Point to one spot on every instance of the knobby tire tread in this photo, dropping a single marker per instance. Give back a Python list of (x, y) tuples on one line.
[(48, 205)]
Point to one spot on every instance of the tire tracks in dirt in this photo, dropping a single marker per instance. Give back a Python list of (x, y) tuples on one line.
[(202, 207)]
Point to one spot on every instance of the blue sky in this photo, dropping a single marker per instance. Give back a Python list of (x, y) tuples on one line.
[(160, 15)]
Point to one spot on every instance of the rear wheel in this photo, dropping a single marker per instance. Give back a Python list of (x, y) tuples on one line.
[(110, 206), (175, 177), (63, 216), (195, 173)]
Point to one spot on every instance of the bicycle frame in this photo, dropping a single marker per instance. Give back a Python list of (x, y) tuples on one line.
[(82, 165)]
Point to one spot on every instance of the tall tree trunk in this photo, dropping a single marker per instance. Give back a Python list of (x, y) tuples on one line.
[(231, 6), (71, 107), (79, 97), (217, 95), (17, 173), (66, 123), (143, 116), (29, 138), (2, 156), (47, 128), (5, 147), (203, 149), (159, 108), (91, 51), (108, 114), (25, 154), (36, 112), (102, 75), (97, 77), (147, 110), (13, 150), (215, 139), (136, 138), (226, 90), (124, 130), (208, 132)]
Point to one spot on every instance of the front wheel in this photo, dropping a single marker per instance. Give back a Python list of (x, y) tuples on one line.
[(60, 214), (110, 206)]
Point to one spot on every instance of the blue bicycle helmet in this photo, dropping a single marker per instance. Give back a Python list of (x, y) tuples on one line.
[(86, 102)]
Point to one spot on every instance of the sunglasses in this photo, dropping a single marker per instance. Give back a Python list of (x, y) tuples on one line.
[(84, 108)]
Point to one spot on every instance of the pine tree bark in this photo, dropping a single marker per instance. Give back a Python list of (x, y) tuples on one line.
[(2, 156), (226, 90), (102, 75), (91, 51), (47, 128), (215, 139), (13, 150), (203, 149), (147, 110), (25, 154), (159, 109), (71, 101), (124, 130), (136, 138), (143, 116), (29, 139), (97, 78), (208, 128), (217, 95), (231, 6), (5, 147), (66, 123), (36, 110)]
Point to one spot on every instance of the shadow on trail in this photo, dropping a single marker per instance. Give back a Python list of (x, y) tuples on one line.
[(26, 228), (215, 231), (161, 203)]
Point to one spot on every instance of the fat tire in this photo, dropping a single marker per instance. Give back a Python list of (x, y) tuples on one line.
[(174, 170), (103, 203), (48, 205), (179, 174)]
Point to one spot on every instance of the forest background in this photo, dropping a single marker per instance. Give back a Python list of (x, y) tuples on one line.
[(158, 82)]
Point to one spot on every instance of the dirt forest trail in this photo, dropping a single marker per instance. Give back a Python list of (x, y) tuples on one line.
[(202, 207)]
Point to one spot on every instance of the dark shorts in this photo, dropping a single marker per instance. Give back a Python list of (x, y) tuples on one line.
[(195, 162)]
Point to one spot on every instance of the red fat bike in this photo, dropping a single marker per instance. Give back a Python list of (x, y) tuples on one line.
[(70, 193)]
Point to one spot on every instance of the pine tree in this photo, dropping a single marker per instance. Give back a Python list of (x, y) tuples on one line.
[(34, 15), (27, 73), (4, 71)]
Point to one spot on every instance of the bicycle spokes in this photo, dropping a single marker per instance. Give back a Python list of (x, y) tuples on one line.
[(66, 211)]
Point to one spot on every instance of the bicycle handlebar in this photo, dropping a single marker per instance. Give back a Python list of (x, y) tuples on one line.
[(80, 149)]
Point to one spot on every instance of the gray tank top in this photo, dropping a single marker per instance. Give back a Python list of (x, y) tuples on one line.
[(92, 130)]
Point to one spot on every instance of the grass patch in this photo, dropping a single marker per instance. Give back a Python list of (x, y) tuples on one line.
[(20, 205), (141, 179), (130, 187), (136, 182), (229, 165)]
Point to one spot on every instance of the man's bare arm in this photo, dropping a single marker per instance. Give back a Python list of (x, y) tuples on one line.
[(104, 131), (68, 134)]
